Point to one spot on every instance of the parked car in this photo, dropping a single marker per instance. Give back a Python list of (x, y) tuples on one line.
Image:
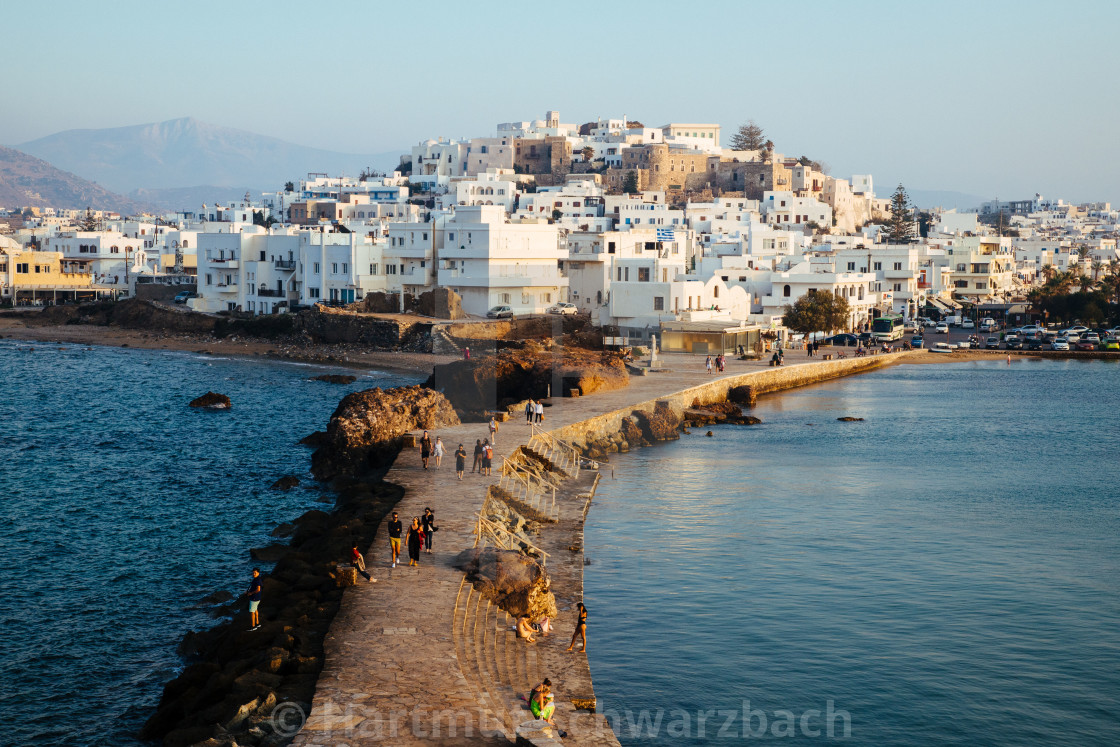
[(930, 323), (1014, 343), (845, 339), (992, 343), (1092, 337), (1033, 343), (1084, 345), (942, 328), (917, 341), (1077, 328), (563, 308), (1030, 329), (968, 324), (1059, 344), (184, 296), (988, 324), (500, 312), (865, 338), (1110, 343)]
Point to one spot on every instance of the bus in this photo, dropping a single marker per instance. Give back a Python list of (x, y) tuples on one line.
[(888, 328)]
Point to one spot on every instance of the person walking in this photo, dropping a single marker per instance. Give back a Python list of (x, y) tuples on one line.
[(437, 451), (460, 461), (254, 594), (478, 451), (359, 562), (708, 364), (581, 627), (395, 538), (428, 524), (415, 541), (425, 449), (539, 412), (487, 457), (530, 410), (493, 427)]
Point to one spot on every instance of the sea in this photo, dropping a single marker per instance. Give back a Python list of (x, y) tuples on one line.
[(945, 572), (122, 509)]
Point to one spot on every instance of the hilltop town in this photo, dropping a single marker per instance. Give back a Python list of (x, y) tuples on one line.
[(650, 230)]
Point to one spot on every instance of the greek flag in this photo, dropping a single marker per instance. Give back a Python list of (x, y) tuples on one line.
[(665, 234)]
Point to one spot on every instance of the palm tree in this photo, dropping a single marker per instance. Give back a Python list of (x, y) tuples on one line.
[(1097, 265)]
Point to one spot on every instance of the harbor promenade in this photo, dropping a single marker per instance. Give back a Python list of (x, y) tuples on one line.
[(418, 658)]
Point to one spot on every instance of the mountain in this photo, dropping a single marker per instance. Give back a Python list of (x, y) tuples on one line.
[(26, 181), (931, 198), (185, 152), (191, 198)]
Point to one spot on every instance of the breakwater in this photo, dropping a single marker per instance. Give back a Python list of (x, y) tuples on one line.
[(409, 660)]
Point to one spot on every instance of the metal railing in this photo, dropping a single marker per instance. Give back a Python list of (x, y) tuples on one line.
[(529, 484), (502, 538), (560, 452)]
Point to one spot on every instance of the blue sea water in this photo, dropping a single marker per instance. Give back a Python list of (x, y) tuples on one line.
[(122, 508), (946, 572)]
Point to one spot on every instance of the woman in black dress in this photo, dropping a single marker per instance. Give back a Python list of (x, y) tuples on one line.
[(425, 449), (415, 540), (460, 461), (581, 627), (428, 524)]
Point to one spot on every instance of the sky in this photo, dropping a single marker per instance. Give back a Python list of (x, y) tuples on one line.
[(993, 98)]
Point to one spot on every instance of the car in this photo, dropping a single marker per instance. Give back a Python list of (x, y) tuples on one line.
[(1077, 328), (912, 326), (1030, 329), (1033, 343), (184, 296), (500, 312), (1013, 343), (845, 339), (917, 341), (1110, 343), (1085, 345), (968, 324), (1059, 344), (942, 328), (992, 343), (987, 324), (563, 308), (930, 323), (865, 338), (1114, 332), (1091, 337)]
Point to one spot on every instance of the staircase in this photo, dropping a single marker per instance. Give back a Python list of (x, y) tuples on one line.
[(498, 667), (442, 343)]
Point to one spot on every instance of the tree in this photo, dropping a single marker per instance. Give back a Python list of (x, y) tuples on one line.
[(900, 224), (588, 154), (289, 187), (767, 152), (817, 311), (630, 183), (88, 223), (749, 137)]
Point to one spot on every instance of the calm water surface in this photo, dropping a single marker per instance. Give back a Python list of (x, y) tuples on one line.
[(122, 508), (945, 572)]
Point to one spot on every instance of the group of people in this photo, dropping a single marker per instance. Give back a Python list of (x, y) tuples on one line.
[(534, 411), (719, 362), (430, 451), (483, 457), (417, 538)]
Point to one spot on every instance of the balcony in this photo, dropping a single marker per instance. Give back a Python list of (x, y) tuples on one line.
[(229, 263), (284, 264), (270, 293)]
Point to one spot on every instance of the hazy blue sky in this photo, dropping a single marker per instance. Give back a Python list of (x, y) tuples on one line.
[(986, 97)]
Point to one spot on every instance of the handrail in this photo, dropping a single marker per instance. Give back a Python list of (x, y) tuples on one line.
[(501, 536)]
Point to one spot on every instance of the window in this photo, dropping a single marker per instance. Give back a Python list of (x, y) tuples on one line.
[(22, 267), (373, 269), (346, 267), (879, 266), (626, 273), (334, 268), (658, 303), (208, 280), (315, 268), (643, 274), (898, 265), (451, 236), (898, 286), (546, 297), (851, 266), (785, 291)]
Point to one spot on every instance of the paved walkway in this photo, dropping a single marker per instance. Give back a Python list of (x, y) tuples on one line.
[(404, 655)]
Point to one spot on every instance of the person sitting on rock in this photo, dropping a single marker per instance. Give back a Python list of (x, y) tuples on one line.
[(525, 630), (541, 701)]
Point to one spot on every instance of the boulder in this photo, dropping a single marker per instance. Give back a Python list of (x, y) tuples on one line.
[(314, 440), (364, 433), (212, 401), (631, 433), (660, 425), (743, 395), (336, 378), (270, 554), (287, 482), (850, 419), (516, 583)]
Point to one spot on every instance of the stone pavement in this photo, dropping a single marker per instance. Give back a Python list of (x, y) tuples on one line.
[(418, 658)]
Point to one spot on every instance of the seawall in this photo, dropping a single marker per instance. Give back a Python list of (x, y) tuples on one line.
[(418, 658)]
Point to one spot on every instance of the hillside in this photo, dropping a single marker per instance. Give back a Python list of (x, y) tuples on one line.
[(26, 181), (184, 152)]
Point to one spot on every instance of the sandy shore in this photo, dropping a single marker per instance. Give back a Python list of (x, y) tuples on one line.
[(337, 355)]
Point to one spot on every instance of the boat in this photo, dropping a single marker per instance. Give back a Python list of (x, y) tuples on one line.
[(942, 347)]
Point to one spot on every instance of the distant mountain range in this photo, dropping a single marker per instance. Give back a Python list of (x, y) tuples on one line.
[(26, 181), (184, 152)]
